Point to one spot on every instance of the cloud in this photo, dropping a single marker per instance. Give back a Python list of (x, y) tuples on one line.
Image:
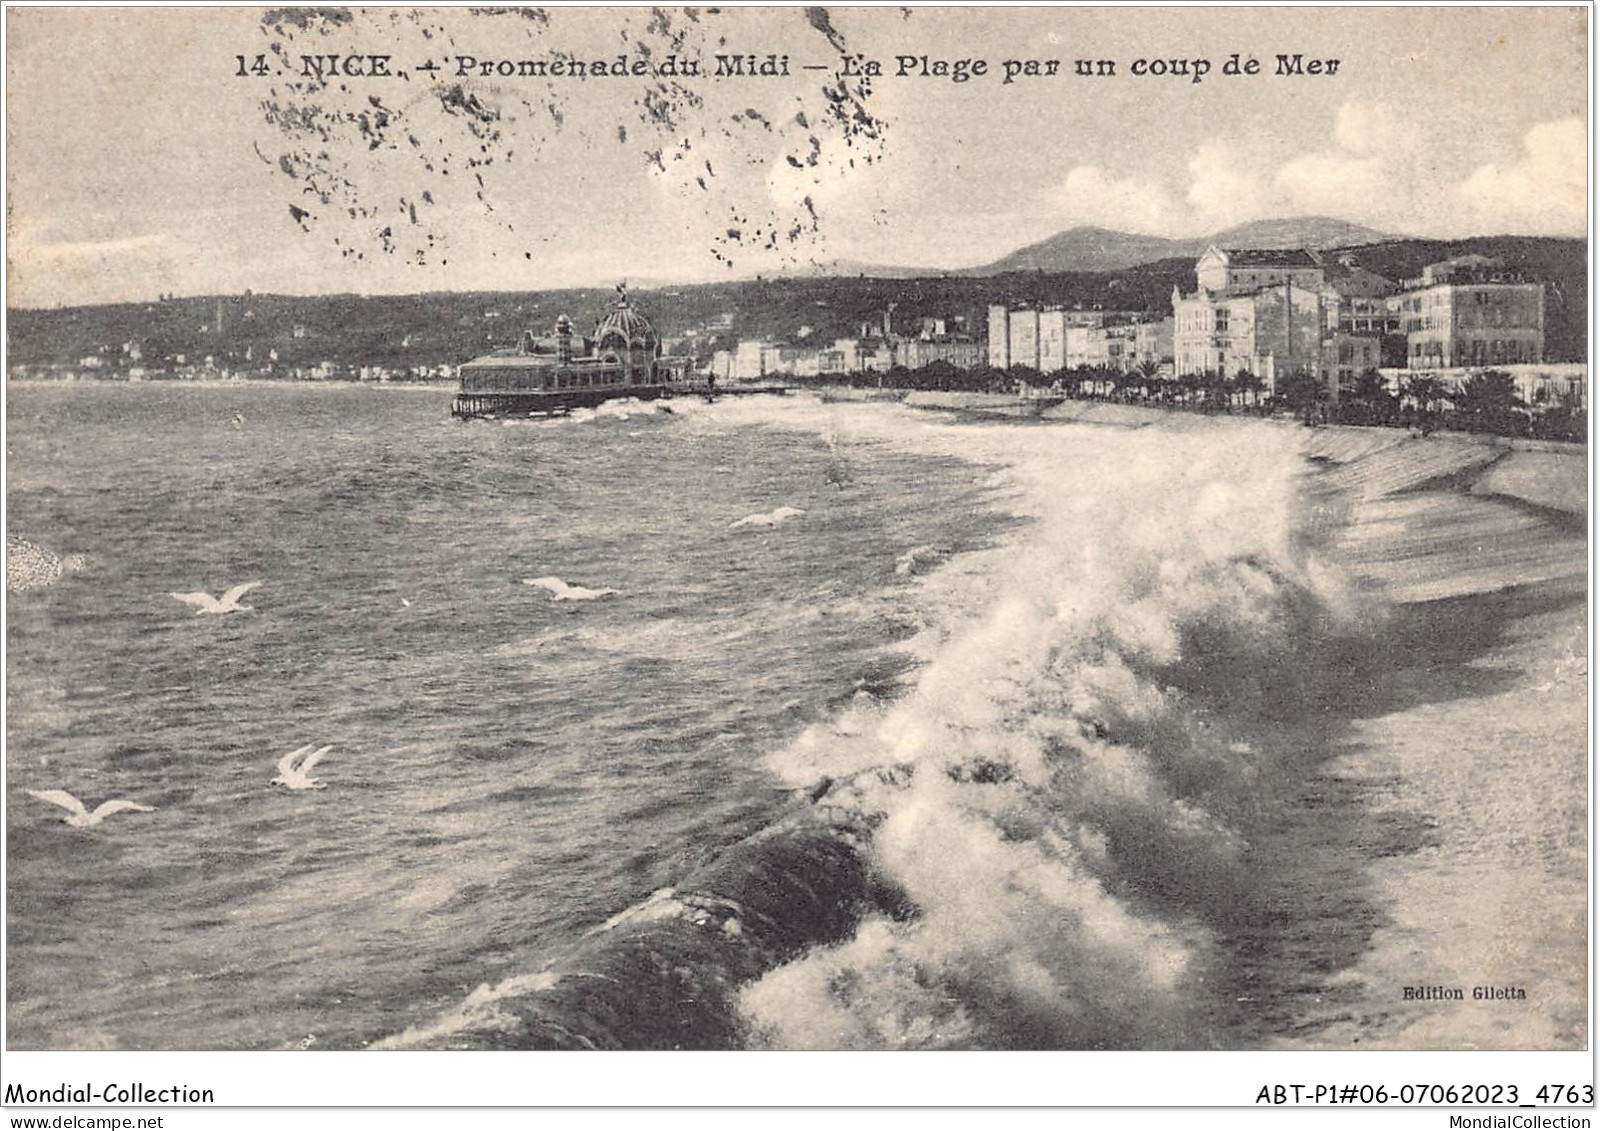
[(1544, 191), (1091, 195), (1375, 128), (1223, 189), (1373, 166), (95, 249), (40, 271), (1355, 179), (1332, 182)]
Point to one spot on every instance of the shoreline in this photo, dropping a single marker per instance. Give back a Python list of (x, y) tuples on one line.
[(1382, 847), (1420, 768), (1487, 539)]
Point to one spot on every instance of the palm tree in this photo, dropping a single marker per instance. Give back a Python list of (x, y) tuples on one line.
[(1149, 372), (1371, 392), (1188, 384), (1424, 391), (1489, 400), (1302, 393), (1247, 382)]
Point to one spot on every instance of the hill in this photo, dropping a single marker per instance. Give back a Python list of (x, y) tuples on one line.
[(1101, 249), (411, 331)]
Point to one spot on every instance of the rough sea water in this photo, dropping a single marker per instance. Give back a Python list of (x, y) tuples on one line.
[(1016, 736)]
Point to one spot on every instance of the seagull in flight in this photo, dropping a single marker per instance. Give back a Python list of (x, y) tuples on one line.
[(80, 817), (298, 776), (561, 591), (782, 514), (205, 603)]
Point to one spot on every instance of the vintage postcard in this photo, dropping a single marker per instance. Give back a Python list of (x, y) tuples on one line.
[(896, 529)]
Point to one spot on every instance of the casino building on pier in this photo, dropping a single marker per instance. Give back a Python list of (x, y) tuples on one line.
[(561, 370)]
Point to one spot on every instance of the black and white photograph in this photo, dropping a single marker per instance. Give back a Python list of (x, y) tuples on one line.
[(762, 530)]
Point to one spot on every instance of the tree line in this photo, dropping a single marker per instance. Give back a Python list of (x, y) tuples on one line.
[(1485, 402)]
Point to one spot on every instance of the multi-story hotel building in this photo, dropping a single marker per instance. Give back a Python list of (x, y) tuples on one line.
[(1053, 339), (1468, 312), (1271, 313), (1269, 333)]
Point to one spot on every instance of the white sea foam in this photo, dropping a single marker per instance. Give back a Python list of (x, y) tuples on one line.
[(1056, 791)]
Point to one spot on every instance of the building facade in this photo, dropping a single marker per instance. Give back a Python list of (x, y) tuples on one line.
[(1248, 270), (1055, 339), (1271, 313), (1268, 333), (1471, 312)]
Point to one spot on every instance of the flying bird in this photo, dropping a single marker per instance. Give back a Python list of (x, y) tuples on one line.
[(782, 514), (205, 603), (295, 776), (80, 817), (561, 591)]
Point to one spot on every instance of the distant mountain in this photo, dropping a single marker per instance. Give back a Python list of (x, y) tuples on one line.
[(1088, 249), (1101, 249), (1301, 231)]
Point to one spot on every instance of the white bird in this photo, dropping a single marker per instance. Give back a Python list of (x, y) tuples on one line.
[(561, 591), (298, 776), (907, 562), (405, 602), (81, 818), (782, 514), (205, 603)]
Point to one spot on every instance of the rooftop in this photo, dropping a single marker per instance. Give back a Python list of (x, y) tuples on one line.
[(1270, 257)]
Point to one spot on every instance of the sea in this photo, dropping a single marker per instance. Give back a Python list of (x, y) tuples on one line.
[(1084, 676)]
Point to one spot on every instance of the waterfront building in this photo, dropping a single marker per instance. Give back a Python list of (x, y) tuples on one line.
[(1268, 333), (1248, 270), (564, 369), (754, 360), (623, 350), (999, 338), (1346, 356), (1052, 356), (1086, 346), (1023, 331), (1053, 339), (914, 353), (1271, 313), (1471, 311)]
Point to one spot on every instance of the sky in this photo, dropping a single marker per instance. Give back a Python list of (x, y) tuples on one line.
[(139, 162)]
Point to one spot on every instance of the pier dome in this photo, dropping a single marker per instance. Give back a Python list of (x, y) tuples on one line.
[(625, 330), (628, 335)]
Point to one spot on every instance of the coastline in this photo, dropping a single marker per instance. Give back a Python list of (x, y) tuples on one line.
[(1419, 765), (1434, 809), (1488, 895), (1488, 538)]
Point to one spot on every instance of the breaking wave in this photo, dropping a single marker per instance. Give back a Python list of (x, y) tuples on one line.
[(1060, 797), (1036, 837)]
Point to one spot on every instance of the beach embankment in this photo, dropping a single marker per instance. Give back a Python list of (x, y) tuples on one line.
[(1483, 935)]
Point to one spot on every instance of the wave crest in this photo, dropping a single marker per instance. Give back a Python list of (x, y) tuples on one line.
[(1072, 806)]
